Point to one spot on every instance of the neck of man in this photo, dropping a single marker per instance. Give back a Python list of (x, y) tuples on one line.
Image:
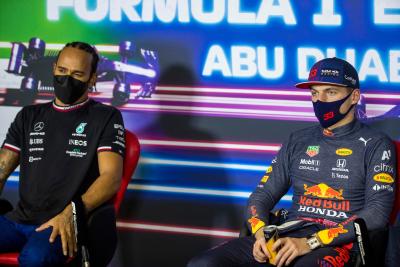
[(80, 100), (346, 120)]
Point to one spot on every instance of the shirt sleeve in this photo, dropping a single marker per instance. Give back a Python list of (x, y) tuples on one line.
[(15, 134), (379, 195), (113, 135), (273, 185)]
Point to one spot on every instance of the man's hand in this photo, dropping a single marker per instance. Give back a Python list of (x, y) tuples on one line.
[(260, 251), (62, 225), (288, 249)]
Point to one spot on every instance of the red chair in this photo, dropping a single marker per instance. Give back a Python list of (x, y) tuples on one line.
[(132, 153)]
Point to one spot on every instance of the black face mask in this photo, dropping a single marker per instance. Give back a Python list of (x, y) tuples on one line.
[(68, 89)]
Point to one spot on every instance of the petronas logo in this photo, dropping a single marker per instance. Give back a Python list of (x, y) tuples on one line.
[(81, 128)]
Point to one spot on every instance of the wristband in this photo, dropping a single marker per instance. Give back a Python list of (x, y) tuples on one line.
[(313, 242)]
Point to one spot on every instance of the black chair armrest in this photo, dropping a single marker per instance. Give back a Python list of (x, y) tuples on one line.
[(5, 206), (102, 235), (378, 240)]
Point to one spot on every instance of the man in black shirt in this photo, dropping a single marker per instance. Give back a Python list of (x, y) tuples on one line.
[(71, 148)]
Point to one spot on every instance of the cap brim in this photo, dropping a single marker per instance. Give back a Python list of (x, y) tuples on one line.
[(307, 85)]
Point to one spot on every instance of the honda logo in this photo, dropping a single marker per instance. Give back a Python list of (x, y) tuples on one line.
[(341, 163)]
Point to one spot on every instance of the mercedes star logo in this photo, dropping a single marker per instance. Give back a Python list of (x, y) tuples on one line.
[(38, 126)]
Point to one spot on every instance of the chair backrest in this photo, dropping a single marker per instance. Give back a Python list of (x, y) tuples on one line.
[(396, 206), (132, 152)]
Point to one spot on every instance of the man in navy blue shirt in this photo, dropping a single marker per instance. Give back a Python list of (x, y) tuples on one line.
[(340, 170)]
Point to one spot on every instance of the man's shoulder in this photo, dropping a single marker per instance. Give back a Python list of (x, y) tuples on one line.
[(35, 108), (375, 135), (302, 136), (99, 107), (306, 133)]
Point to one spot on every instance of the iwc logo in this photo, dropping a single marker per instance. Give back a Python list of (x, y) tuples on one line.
[(81, 128)]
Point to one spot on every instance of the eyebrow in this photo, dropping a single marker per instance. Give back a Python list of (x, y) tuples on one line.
[(325, 89), (75, 71)]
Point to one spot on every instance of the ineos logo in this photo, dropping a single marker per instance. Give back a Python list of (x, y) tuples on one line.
[(38, 126)]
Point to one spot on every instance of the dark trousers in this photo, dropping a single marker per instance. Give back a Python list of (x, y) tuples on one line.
[(239, 252), (34, 247)]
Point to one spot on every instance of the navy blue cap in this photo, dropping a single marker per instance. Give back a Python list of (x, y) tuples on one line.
[(332, 71)]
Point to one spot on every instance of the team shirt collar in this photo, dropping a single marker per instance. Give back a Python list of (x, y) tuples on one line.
[(71, 107), (343, 130)]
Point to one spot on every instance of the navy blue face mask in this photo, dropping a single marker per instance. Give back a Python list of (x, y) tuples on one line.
[(328, 112)]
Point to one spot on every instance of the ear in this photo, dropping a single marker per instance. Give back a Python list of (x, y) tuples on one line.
[(54, 68), (356, 96), (92, 80)]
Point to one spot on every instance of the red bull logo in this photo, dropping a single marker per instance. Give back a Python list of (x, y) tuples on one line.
[(327, 132), (334, 232), (313, 73), (326, 201), (323, 191), (326, 236), (255, 224), (343, 205), (341, 259)]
